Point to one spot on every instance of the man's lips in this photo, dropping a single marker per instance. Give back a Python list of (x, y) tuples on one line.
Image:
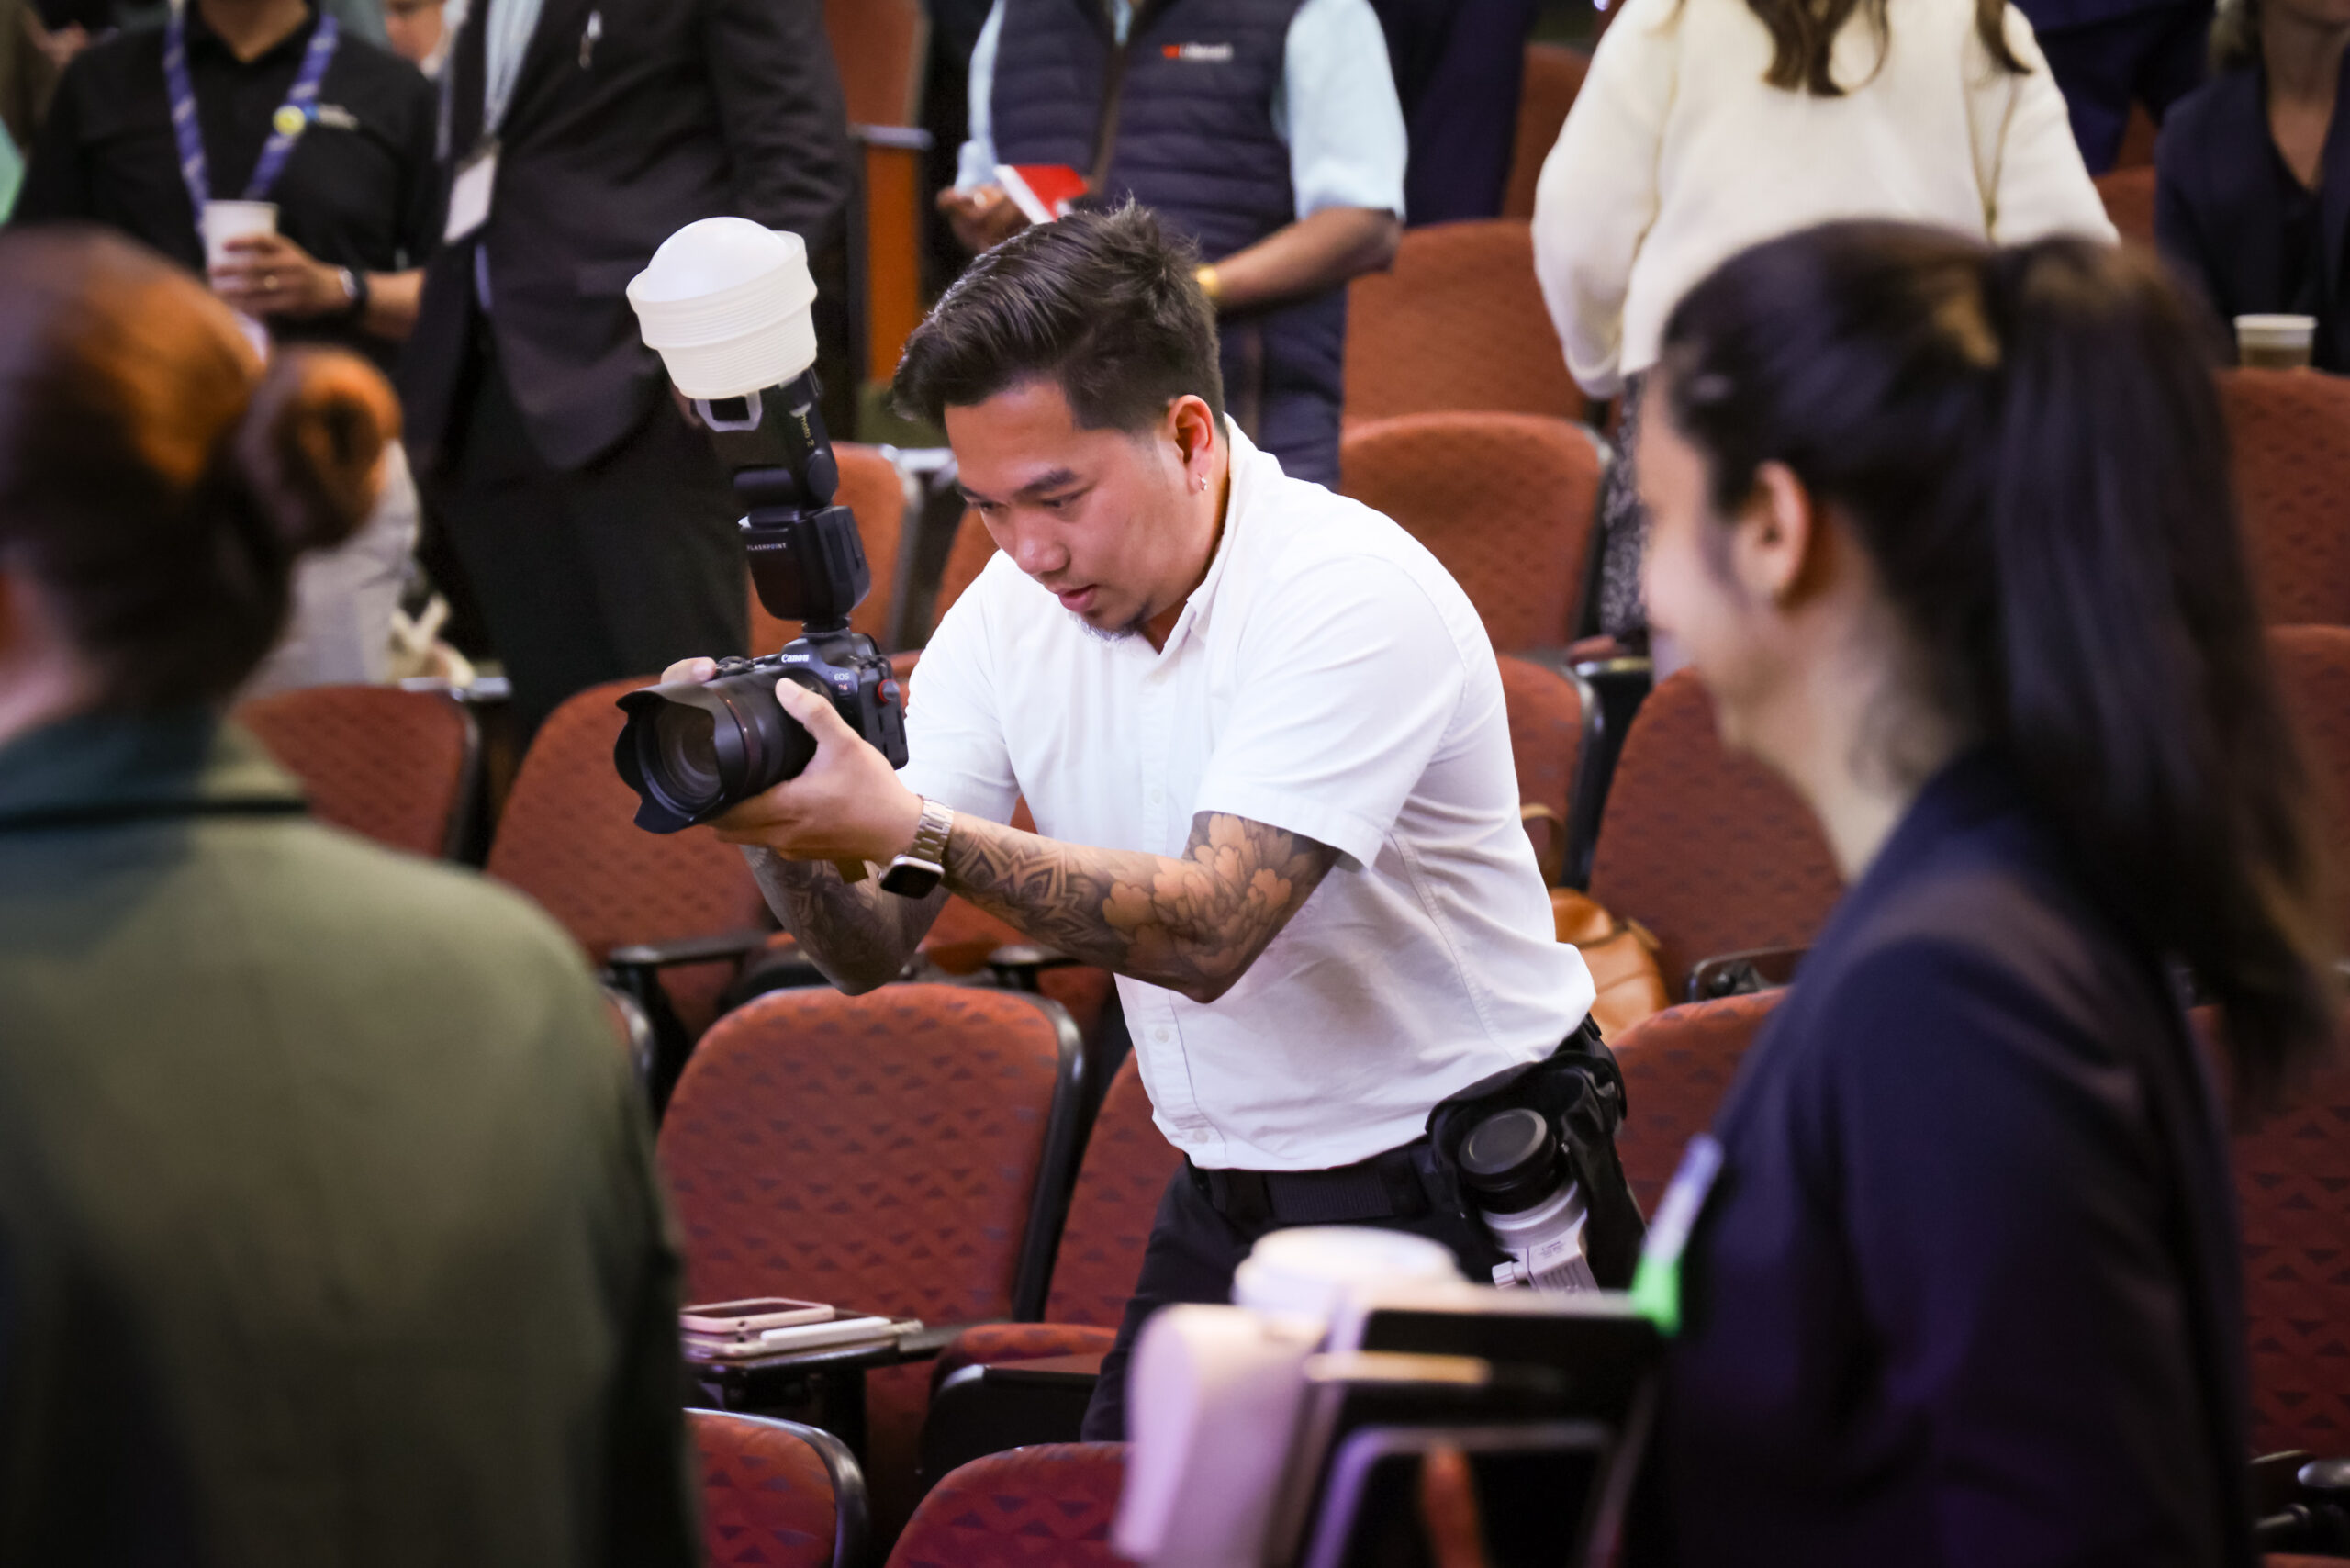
[(1077, 602)]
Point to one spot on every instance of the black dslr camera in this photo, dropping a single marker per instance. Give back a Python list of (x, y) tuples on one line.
[(692, 749)]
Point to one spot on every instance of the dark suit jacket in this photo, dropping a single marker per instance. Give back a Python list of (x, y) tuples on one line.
[(685, 109), (2219, 212), (1966, 1289)]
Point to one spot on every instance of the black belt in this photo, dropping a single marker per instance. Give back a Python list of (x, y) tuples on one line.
[(1385, 1186)]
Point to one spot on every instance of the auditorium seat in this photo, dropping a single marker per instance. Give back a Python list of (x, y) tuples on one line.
[(882, 498), (401, 767), (1046, 1506), (1554, 76), (1126, 1168), (1550, 719), (568, 837), (2313, 672), (2290, 431), (2293, 1198), (906, 1152), (2129, 198), (776, 1493), (1504, 501), (1709, 851), (1458, 322), (966, 559), (1677, 1065)]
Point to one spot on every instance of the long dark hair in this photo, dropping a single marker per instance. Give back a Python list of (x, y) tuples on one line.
[(2030, 448), (1803, 38), (154, 481)]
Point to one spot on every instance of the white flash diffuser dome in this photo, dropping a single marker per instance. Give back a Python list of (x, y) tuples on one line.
[(726, 302)]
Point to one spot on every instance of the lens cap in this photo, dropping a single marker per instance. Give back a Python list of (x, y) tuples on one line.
[(1510, 1160)]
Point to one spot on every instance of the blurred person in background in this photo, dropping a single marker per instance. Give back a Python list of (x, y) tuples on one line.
[(1459, 69), (2108, 55), (1707, 125), (327, 1201), (1948, 533), (1266, 131), (2253, 176), (594, 524), (281, 105), (420, 31)]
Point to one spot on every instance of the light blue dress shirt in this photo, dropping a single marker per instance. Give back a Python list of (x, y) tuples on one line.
[(1336, 106)]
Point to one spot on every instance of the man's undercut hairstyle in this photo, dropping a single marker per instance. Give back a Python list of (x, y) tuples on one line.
[(1106, 304)]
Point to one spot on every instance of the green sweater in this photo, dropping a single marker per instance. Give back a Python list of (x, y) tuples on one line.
[(329, 1227)]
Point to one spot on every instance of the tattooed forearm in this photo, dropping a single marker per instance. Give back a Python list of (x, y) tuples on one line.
[(1193, 926), (860, 935)]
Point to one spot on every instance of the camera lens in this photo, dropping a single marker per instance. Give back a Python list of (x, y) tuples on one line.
[(685, 745)]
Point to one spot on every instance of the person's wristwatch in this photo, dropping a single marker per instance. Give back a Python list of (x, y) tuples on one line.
[(914, 873), (354, 289)]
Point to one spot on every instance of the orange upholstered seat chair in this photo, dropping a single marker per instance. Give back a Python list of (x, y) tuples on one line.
[(882, 498), (1459, 322), (2129, 198), (1050, 1505), (776, 1493), (1677, 1065), (1708, 850), (2291, 435), (400, 767), (1554, 76)]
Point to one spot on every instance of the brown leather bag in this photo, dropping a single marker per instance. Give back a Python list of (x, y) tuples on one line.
[(1621, 955)]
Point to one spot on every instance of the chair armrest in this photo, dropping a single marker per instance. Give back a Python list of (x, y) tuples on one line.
[(1743, 973), (2303, 1505), (1016, 965), (655, 956)]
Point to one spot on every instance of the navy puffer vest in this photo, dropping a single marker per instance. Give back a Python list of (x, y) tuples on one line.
[(1195, 141)]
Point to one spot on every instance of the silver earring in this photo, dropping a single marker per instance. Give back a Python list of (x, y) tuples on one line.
[(1201, 483)]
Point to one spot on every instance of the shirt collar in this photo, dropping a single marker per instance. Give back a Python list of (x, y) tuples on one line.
[(1248, 479), (184, 756), (201, 37)]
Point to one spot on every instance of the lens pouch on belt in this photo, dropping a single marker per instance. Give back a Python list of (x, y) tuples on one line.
[(1579, 1089)]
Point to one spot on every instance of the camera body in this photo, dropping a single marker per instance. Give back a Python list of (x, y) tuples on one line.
[(725, 303)]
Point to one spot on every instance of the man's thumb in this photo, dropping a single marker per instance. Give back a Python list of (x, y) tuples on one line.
[(815, 713)]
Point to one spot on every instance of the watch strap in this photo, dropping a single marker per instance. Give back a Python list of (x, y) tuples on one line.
[(914, 873)]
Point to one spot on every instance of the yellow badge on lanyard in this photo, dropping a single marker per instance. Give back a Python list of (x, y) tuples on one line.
[(288, 120)]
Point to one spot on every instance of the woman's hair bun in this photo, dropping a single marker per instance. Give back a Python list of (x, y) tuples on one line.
[(309, 448)]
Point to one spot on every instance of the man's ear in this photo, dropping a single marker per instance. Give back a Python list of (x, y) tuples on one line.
[(1194, 428), (1777, 537)]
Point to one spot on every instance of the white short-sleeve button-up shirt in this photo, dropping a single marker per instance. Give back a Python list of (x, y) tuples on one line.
[(1328, 678)]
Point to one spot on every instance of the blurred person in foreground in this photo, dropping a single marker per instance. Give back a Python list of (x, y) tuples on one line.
[(1262, 735), (2252, 182), (1266, 131), (1707, 125), (421, 31), (328, 1229), (595, 527), (1948, 534), (286, 105)]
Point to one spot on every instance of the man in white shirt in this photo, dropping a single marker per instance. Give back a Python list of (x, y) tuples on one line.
[(1261, 733)]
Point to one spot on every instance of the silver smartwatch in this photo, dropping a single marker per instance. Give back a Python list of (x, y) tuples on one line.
[(914, 873)]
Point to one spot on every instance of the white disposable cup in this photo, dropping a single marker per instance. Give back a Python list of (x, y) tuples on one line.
[(2275, 342), (227, 221), (1311, 1270)]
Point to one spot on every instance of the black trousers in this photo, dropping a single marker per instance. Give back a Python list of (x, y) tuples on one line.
[(1190, 1256), (613, 570), (2153, 56)]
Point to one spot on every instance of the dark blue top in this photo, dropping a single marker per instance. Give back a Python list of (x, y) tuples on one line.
[(2235, 222), (1967, 1290)]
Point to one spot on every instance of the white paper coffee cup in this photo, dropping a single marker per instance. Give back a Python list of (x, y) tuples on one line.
[(2275, 342), (227, 221)]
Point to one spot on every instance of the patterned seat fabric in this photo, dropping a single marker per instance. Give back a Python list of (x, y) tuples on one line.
[(1708, 850), (1554, 76), (1546, 721), (1504, 500), (1046, 1506), (877, 1153), (1458, 322), (873, 488), (1127, 1166), (393, 766), (1677, 1066), (2129, 198), (767, 1495), (569, 839), (2291, 436), (2314, 670), (2294, 1192)]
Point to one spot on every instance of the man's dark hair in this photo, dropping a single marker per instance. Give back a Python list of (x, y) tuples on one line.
[(1105, 303)]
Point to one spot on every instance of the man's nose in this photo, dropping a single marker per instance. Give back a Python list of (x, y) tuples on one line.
[(1038, 553)]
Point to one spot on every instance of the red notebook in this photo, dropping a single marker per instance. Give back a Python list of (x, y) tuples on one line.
[(1042, 191)]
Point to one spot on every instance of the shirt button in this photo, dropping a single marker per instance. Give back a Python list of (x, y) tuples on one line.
[(1161, 1034), (1157, 795)]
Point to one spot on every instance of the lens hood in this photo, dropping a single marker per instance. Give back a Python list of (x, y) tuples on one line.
[(753, 745)]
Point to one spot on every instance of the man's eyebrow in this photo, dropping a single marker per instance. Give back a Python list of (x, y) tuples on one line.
[(1044, 484)]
